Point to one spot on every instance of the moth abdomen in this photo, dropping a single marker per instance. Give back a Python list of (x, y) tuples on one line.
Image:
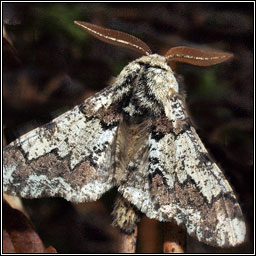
[(125, 215)]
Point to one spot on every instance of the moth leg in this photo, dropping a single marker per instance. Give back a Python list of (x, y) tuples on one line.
[(125, 215)]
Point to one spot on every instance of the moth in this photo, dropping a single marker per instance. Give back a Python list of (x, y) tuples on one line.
[(135, 135)]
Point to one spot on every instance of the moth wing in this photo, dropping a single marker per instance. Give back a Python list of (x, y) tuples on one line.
[(69, 157), (181, 183)]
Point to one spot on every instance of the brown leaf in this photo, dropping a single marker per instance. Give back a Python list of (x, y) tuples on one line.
[(50, 249), (7, 243), (19, 234)]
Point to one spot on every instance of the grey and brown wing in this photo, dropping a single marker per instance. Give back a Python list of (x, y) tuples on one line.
[(179, 182), (69, 157)]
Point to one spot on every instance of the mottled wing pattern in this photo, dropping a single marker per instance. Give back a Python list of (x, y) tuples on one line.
[(70, 157), (181, 183)]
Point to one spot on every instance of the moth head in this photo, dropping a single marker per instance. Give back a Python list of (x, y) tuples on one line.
[(185, 54)]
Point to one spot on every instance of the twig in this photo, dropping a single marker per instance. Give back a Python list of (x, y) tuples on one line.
[(149, 235), (174, 238), (128, 242)]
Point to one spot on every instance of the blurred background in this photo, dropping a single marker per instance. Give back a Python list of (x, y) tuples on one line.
[(50, 65)]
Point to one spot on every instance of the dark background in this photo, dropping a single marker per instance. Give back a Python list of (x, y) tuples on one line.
[(50, 65)]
